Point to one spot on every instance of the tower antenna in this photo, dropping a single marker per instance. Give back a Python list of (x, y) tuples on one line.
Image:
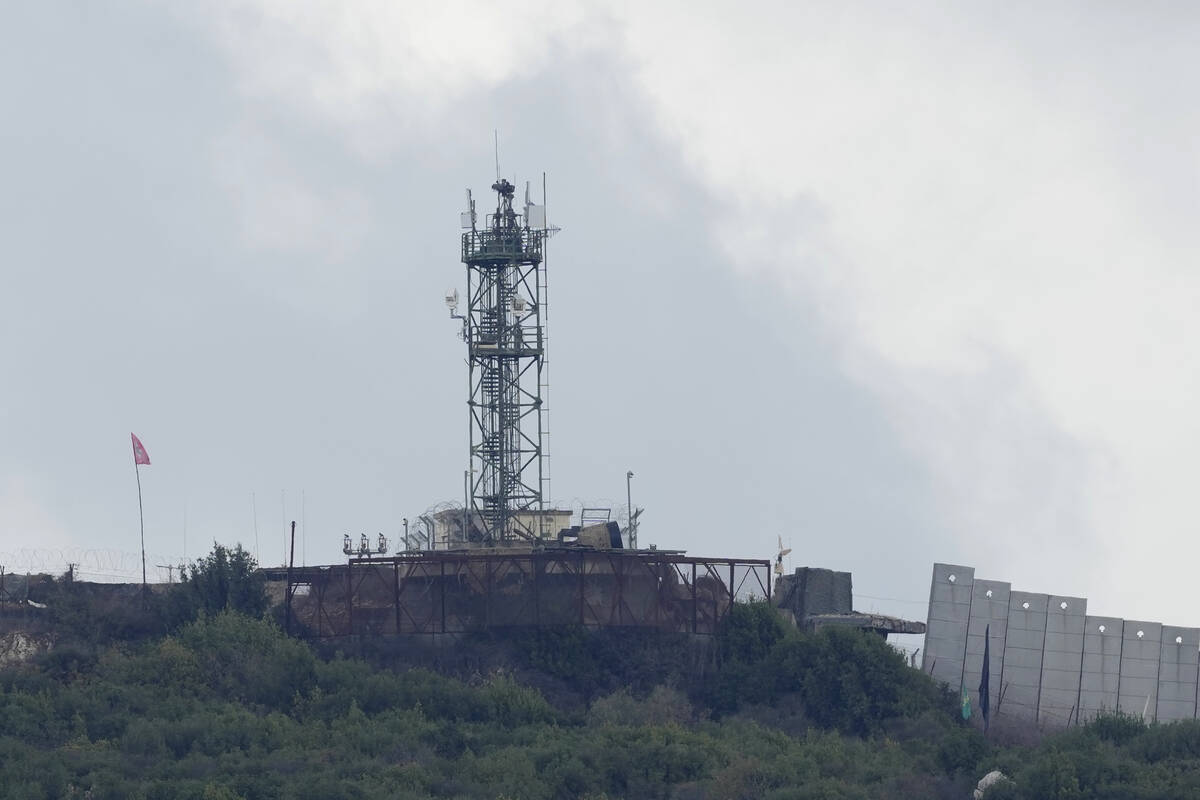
[(496, 136), (506, 353)]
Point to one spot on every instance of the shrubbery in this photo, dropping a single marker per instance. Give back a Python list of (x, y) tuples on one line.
[(84, 615), (226, 706)]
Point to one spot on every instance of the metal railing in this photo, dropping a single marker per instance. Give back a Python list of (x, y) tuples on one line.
[(513, 245)]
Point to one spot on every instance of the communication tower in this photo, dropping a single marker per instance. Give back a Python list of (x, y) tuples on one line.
[(506, 348)]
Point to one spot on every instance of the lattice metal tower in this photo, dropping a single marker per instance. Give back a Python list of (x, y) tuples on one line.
[(504, 333)]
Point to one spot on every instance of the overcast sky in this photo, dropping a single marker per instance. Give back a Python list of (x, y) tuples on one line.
[(896, 283)]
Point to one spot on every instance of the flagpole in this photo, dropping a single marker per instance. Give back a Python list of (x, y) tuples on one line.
[(141, 521)]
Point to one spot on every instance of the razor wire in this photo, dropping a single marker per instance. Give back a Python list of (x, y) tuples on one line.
[(97, 564)]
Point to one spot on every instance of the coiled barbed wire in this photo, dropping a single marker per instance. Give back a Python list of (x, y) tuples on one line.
[(99, 564)]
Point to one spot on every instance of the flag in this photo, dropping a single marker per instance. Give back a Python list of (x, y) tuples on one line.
[(966, 704), (984, 678), (140, 456)]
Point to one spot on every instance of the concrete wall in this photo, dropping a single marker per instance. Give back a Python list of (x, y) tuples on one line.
[(1062, 661), (989, 614), (1050, 662), (1021, 668), (946, 628), (1140, 651), (1101, 676), (1178, 657)]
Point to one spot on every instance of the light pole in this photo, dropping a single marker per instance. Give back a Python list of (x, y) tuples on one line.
[(629, 505), (466, 502)]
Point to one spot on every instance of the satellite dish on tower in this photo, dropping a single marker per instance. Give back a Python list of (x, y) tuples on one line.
[(452, 300)]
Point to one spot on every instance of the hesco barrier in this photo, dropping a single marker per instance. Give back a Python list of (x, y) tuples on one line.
[(1050, 662), (460, 591)]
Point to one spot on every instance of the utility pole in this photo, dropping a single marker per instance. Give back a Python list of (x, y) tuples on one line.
[(287, 625), (629, 505), (170, 568)]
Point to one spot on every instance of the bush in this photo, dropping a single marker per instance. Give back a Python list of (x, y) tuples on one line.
[(1116, 727), (225, 579), (749, 632), (847, 679), (249, 659)]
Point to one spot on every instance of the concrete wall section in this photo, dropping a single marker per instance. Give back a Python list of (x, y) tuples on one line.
[(949, 615), (1050, 663), (989, 612), (1177, 667), (1141, 644), (1062, 661), (1025, 641), (1101, 666)]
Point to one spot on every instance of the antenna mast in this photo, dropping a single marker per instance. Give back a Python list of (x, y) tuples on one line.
[(505, 337)]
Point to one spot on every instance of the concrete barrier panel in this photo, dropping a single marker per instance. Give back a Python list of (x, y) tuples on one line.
[(949, 615), (1141, 645), (1101, 678), (1177, 667), (1021, 678), (989, 611), (1062, 661)]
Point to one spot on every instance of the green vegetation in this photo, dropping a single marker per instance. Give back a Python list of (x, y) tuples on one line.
[(88, 614), (216, 702)]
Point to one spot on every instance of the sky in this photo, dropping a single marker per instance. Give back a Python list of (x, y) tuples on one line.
[(895, 283)]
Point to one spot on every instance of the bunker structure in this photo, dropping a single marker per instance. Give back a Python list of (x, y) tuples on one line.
[(457, 591), (816, 598), (1050, 662)]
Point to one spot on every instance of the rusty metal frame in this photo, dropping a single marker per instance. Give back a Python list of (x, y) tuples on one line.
[(431, 592)]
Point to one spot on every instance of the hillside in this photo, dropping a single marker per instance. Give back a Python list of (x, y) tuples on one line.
[(220, 704)]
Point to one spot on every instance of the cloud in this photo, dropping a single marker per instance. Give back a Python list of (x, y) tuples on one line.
[(381, 72), (23, 517), (985, 239), (987, 209), (308, 230)]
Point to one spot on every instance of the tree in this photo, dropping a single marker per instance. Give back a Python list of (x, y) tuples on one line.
[(224, 579)]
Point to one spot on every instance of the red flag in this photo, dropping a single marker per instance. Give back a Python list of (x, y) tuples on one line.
[(140, 456)]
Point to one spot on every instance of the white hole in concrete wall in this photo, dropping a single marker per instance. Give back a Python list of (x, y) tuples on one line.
[(1178, 640), (1063, 605), (1141, 634), (1025, 605), (1102, 629), (989, 592), (952, 578)]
